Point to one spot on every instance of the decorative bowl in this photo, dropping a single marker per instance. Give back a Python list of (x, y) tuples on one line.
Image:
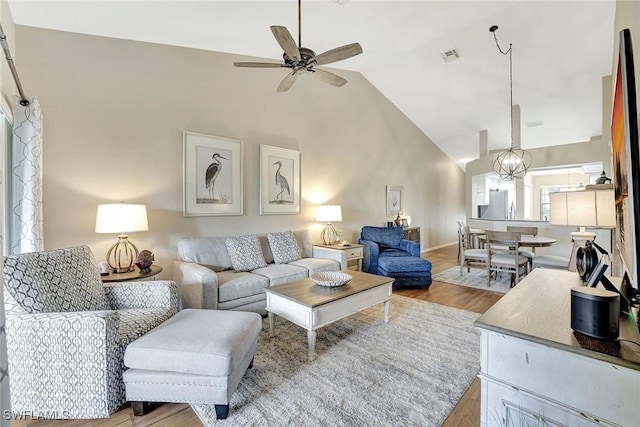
[(331, 278)]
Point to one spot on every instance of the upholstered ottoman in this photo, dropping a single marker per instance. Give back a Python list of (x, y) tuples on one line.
[(197, 356), (408, 271)]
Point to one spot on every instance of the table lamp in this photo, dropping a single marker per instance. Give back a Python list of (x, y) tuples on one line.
[(121, 218), (327, 214)]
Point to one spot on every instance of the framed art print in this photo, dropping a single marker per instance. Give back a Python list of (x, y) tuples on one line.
[(394, 200), (279, 180), (212, 175)]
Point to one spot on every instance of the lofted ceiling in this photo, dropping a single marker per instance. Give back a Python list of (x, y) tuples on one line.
[(561, 51)]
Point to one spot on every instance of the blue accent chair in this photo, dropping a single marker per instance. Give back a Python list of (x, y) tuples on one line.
[(388, 253)]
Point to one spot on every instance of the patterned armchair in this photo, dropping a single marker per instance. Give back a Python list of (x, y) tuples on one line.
[(67, 332)]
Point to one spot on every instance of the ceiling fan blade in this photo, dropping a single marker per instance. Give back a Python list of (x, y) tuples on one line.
[(327, 77), (287, 82), (258, 64), (286, 42), (337, 54)]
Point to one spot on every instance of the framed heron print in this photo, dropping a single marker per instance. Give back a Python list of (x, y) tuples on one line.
[(212, 175), (279, 180)]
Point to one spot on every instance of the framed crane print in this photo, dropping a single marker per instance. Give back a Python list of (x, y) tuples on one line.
[(279, 180), (212, 175)]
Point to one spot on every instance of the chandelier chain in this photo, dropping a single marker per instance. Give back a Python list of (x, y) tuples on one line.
[(510, 53), (514, 162)]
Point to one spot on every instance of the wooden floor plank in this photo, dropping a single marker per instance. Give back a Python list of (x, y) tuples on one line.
[(465, 413)]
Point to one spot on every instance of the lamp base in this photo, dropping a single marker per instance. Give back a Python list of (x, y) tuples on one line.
[(579, 239), (329, 235), (122, 256)]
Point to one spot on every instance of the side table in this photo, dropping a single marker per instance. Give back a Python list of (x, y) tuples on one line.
[(412, 233), (132, 275), (353, 252)]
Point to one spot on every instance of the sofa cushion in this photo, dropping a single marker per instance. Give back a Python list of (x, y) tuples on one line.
[(239, 285), (187, 343), (266, 249), (284, 247), (305, 243), (58, 280), (245, 253), (282, 273), (317, 265), (210, 252)]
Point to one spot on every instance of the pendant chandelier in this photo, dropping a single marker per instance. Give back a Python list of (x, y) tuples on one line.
[(514, 162)]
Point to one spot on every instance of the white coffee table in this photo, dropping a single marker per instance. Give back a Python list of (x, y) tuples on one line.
[(313, 306)]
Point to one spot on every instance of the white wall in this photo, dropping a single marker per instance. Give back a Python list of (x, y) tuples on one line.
[(114, 112)]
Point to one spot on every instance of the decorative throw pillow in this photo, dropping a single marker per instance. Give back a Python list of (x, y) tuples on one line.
[(284, 247), (245, 253)]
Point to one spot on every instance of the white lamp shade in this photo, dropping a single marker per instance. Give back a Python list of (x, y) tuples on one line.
[(606, 208), (121, 218), (589, 208), (329, 213), (581, 209), (558, 207)]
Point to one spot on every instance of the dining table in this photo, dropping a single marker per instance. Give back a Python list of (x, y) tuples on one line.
[(526, 241)]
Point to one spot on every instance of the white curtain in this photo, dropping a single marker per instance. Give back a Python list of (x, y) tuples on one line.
[(25, 180), (24, 221), (5, 402)]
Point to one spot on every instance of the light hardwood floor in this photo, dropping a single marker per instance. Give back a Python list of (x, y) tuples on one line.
[(465, 413)]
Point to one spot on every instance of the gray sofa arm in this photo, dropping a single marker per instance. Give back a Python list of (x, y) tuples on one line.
[(197, 285), (52, 352), (147, 294), (333, 254)]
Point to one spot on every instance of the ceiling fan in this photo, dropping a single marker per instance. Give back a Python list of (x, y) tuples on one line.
[(303, 60)]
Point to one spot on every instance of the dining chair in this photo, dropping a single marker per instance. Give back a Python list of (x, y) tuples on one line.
[(468, 254), (529, 252), (505, 262)]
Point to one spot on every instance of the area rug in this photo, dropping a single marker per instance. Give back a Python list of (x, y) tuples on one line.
[(476, 278), (410, 371)]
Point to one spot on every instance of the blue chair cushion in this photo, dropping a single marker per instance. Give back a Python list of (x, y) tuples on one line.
[(407, 266), (385, 237), (392, 252), (407, 271)]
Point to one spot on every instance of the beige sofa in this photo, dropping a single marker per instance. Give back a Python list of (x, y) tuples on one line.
[(206, 279)]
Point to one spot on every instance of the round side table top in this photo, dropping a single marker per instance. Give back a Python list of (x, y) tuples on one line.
[(131, 275)]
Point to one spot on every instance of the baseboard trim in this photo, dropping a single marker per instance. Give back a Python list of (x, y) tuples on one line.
[(438, 247)]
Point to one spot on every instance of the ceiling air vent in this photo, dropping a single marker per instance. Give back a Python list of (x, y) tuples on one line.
[(450, 55)]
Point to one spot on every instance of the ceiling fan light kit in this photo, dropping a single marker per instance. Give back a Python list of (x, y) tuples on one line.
[(304, 60), (514, 162)]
